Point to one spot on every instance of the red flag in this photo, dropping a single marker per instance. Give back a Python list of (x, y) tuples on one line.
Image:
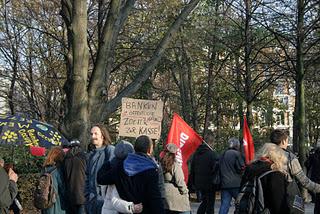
[(186, 139), (37, 151), (247, 142)]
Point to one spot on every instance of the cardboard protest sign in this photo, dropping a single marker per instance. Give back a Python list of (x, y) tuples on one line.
[(141, 117)]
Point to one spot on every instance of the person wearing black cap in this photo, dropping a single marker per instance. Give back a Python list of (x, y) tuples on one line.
[(74, 174)]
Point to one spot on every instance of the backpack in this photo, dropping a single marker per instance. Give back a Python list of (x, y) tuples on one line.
[(216, 180), (44, 195), (294, 199), (250, 199)]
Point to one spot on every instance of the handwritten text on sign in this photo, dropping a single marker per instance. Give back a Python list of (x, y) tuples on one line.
[(141, 117)]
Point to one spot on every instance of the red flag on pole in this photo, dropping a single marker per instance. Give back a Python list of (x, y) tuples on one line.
[(247, 142), (186, 139)]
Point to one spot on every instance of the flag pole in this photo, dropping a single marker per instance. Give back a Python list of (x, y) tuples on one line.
[(207, 145)]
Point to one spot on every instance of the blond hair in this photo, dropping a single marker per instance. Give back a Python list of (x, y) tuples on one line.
[(275, 154)]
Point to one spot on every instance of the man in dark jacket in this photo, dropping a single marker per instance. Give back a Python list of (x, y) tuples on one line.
[(102, 153), (137, 179), (231, 166), (202, 172), (314, 173), (75, 174), (8, 188)]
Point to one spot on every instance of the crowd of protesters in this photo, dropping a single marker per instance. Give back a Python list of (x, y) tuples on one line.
[(126, 178)]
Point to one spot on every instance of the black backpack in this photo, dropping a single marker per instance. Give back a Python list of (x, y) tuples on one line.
[(216, 180), (250, 199)]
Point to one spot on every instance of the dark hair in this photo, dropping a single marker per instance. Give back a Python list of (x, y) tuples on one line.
[(91, 147), (142, 144), (277, 136), (105, 134), (167, 161)]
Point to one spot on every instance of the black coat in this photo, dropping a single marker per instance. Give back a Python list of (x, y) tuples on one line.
[(74, 174), (140, 188), (202, 168), (314, 163), (273, 184)]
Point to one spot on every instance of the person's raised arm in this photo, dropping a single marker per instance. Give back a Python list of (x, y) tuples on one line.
[(297, 172)]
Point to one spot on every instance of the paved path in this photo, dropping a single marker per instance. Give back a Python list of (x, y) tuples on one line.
[(194, 206)]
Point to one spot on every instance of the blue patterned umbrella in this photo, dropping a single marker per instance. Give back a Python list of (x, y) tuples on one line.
[(18, 130)]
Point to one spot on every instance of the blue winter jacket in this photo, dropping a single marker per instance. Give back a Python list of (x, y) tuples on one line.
[(135, 164), (93, 191)]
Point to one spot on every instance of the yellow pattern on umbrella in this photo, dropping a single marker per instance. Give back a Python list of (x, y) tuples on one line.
[(10, 136), (55, 138)]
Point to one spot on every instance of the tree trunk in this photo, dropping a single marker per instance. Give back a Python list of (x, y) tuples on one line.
[(77, 121), (11, 88), (238, 87), (105, 57), (296, 125), (208, 111), (212, 58), (86, 101), (185, 86), (149, 66), (248, 73), (300, 83)]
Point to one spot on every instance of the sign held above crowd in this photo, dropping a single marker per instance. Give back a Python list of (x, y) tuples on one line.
[(141, 117)]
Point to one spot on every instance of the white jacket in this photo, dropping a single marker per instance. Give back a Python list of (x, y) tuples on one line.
[(113, 204)]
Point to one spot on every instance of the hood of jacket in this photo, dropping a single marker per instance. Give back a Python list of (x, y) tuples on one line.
[(136, 163), (256, 168)]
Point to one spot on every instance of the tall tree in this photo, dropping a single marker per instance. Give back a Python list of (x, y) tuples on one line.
[(85, 97)]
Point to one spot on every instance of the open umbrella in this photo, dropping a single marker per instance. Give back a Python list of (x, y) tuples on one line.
[(18, 130)]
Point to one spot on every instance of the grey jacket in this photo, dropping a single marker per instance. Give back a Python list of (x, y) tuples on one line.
[(294, 169), (231, 165)]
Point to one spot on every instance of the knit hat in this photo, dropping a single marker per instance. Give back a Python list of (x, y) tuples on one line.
[(122, 149), (172, 148)]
